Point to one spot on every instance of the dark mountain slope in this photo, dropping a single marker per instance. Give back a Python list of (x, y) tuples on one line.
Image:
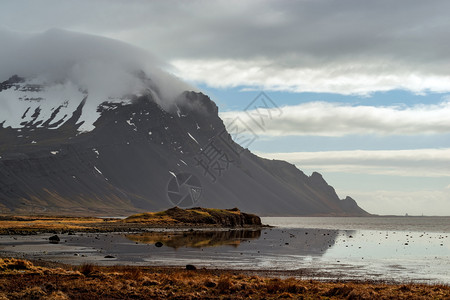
[(127, 162)]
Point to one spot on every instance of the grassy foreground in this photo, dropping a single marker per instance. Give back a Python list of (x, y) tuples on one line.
[(21, 279)]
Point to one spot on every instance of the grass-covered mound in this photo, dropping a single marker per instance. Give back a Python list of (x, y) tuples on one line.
[(174, 217), (197, 216)]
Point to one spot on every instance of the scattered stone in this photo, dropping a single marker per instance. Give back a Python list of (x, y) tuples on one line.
[(54, 239), (191, 267), (158, 244), (109, 256)]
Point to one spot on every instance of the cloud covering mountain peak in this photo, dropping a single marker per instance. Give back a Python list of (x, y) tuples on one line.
[(69, 66)]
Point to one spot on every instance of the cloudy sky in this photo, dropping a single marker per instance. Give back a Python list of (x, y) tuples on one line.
[(361, 88)]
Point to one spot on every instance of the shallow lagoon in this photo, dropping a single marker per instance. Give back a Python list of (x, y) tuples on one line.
[(390, 249)]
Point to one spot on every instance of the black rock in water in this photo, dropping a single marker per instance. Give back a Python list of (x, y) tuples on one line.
[(54, 239)]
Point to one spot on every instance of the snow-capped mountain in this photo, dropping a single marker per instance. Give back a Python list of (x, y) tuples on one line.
[(31, 104), (38, 104), (135, 141)]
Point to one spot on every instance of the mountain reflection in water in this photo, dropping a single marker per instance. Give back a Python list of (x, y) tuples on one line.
[(197, 238)]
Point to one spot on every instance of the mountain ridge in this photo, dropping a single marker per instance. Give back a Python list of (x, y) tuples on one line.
[(135, 149)]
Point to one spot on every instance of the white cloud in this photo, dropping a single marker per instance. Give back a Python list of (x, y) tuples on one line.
[(421, 162), (357, 76), (68, 63), (349, 46), (330, 119), (100, 65)]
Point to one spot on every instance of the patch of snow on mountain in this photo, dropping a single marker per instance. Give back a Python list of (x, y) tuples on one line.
[(96, 169), (193, 138), (22, 105)]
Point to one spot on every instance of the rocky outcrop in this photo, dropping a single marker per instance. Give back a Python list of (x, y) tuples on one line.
[(198, 216)]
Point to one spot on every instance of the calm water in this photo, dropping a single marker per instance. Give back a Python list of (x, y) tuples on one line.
[(401, 249), (416, 224)]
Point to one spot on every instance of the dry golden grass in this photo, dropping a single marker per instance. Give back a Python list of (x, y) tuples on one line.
[(29, 224), (151, 217), (121, 282), (175, 217)]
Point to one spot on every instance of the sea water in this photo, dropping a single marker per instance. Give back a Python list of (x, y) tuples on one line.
[(398, 249), (394, 249)]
